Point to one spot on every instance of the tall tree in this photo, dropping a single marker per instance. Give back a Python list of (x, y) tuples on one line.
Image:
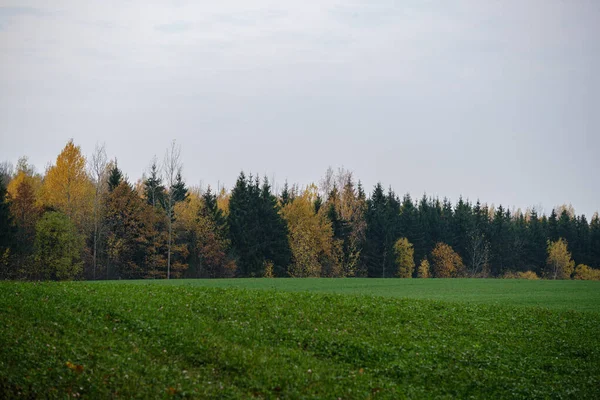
[(259, 234), (382, 215), (172, 170), (154, 190), (405, 259), (446, 263), (559, 262), (68, 188), (180, 191), (6, 231), (58, 248), (98, 172), (26, 213), (313, 246), (595, 241)]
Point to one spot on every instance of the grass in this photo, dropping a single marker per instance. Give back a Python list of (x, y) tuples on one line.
[(184, 339), (557, 295)]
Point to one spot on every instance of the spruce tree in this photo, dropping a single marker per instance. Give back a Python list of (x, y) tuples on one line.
[(553, 226), (115, 177), (595, 241), (6, 224), (154, 190), (180, 191)]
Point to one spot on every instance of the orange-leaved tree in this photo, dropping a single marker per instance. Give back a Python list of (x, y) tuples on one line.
[(446, 262)]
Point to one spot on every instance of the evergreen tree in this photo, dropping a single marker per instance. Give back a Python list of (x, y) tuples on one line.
[(553, 226), (154, 190), (180, 191), (595, 241), (317, 203), (535, 256), (257, 231), (581, 248), (285, 195), (213, 211), (382, 217), (115, 177), (499, 242), (461, 227)]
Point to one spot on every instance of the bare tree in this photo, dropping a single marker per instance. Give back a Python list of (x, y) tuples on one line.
[(171, 168), (478, 249), (98, 171), (6, 172)]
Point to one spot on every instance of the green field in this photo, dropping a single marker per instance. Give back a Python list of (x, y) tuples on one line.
[(301, 338)]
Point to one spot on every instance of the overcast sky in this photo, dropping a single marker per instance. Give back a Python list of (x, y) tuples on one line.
[(496, 100)]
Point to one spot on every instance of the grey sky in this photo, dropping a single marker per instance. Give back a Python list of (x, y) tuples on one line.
[(497, 100)]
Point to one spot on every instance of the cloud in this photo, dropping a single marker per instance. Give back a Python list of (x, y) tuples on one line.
[(174, 27), (11, 12)]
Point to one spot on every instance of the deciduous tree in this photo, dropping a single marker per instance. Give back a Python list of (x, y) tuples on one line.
[(559, 263), (446, 262), (58, 248), (405, 261)]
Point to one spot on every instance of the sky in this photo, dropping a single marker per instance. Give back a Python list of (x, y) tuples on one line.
[(491, 100)]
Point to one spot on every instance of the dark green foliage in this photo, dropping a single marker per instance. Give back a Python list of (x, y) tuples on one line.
[(257, 231), (553, 227), (180, 191), (115, 177), (595, 241), (107, 340), (382, 217), (286, 196), (154, 190), (215, 214)]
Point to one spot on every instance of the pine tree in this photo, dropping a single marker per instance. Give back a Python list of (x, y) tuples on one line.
[(285, 195), (595, 241), (553, 226), (154, 190), (382, 217), (258, 233), (212, 211), (180, 191), (535, 255), (115, 176)]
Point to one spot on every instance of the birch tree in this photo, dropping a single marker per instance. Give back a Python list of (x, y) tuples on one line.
[(171, 168), (98, 172)]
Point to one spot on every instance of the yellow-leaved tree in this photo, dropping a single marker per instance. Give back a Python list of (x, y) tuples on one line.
[(68, 188), (559, 263), (424, 270), (314, 250), (405, 260)]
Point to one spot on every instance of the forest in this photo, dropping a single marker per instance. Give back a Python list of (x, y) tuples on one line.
[(84, 219)]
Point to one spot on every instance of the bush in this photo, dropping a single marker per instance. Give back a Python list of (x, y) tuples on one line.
[(585, 273), (530, 275)]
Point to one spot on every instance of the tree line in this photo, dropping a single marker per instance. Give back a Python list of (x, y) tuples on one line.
[(84, 219)]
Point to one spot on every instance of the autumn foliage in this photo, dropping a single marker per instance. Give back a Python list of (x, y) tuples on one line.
[(446, 262)]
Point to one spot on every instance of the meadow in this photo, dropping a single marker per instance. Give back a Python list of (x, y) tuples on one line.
[(300, 338)]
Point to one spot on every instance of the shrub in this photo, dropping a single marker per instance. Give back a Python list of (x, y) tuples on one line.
[(585, 273), (530, 275)]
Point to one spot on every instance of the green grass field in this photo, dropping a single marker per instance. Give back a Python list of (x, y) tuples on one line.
[(309, 338)]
